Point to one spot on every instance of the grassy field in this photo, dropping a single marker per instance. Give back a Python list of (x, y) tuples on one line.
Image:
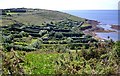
[(40, 17), (40, 63), (6, 22)]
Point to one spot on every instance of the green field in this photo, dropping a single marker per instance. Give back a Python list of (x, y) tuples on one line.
[(39, 17), (40, 63)]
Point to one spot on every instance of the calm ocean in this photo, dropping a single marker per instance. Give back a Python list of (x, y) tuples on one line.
[(106, 17)]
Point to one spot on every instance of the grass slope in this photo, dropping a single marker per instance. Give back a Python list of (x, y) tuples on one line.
[(37, 17), (40, 63)]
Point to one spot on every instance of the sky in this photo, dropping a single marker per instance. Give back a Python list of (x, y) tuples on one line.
[(61, 4)]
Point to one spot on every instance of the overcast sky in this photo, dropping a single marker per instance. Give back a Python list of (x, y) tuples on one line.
[(61, 4)]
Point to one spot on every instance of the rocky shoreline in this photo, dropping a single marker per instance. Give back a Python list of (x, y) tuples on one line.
[(92, 31), (116, 27), (95, 28)]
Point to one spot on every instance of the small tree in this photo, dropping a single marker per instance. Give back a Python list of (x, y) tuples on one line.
[(58, 35), (36, 44), (88, 36), (69, 40)]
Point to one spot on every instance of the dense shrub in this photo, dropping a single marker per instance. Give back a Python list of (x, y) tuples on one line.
[(45, 42), (69, 40), (117, 48), (72, 34), (63, 42), (42, 32), (23, 48), (75, 45), (35, 34), (8, 47), (51, 34), (36, 44), (88, 61), (3, 12), (88, 36), (12, 63), (8, 39), (24, 34), (58, 35)]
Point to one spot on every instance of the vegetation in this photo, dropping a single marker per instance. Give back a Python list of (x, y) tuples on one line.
[(56, 46), (99, 59), (21, 37), (12, 63), (37, 63), (92, 61), (36, 17)]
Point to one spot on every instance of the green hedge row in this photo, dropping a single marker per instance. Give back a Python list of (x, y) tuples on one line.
[(8, 47)]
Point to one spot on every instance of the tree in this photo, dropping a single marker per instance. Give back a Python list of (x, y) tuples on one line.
[(58, 35), (69, 40), (36, 44), (4, 12), (88, 36), (22, 33), (51, 22)]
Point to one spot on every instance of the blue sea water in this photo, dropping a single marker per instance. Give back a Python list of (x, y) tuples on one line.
[(105, 17)]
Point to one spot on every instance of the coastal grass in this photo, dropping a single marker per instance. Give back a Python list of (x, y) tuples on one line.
[(39, 17), (40, 63), (85, 25), (6, 22)]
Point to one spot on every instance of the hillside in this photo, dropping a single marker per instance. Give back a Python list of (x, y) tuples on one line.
[(34, 16), (37, 41)]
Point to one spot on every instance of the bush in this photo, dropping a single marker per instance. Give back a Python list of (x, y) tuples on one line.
[(58, 35), (88, 36), (8, 39), (7, 46), (36, 44), (72, 34), (87, 62), (117, 48), (23, 34), (11, 63), (69, 40)]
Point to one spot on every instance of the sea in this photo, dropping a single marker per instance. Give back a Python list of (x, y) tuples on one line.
[(105, 17)]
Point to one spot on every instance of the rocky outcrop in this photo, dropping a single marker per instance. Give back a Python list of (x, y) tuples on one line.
[(117, 27), (92, 22)]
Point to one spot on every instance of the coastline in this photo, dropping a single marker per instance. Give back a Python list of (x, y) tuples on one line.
[(105, 17), (91, 31), (93, 34), (116, 27), (95, 29)]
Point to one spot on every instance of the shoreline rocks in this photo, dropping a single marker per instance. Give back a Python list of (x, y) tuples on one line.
[(116, 27), (92, 31)]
